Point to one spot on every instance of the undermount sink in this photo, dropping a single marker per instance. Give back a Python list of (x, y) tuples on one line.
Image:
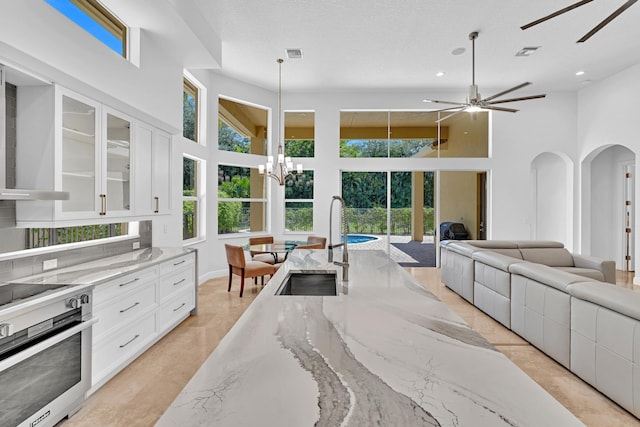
[(310, 284)]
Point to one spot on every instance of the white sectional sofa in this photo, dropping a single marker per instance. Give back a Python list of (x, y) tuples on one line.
[(605, 340), (565, 304)]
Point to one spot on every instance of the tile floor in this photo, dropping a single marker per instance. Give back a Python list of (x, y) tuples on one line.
[(140, 393)]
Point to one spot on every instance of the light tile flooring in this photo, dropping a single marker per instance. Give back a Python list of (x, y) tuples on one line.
[(140, 393)]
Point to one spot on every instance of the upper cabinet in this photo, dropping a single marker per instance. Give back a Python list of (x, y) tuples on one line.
[(152, 163), (67, 142)]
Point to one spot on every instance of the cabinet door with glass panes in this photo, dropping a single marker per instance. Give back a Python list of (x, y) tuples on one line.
[(115, 163)]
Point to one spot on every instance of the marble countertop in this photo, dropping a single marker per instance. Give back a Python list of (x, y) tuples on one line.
[(104, 269), (384, 352), (87, 275)]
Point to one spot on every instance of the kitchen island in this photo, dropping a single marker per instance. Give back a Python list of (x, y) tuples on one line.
[(384, 351)]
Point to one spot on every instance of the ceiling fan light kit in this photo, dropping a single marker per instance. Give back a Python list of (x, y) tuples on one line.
[(475, 102)]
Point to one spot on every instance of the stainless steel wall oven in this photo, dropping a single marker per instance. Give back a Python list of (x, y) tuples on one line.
[(45, 352)]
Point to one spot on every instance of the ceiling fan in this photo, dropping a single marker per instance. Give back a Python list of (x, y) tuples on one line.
[(474, 101), (597, 28)]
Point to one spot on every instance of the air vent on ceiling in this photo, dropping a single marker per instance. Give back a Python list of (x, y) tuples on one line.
[(526, 51), (294, 53)]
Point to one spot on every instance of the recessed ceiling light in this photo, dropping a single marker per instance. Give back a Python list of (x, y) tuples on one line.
[(527, 51), (458, 51), (579, 73), (294, 53), (440, 74)]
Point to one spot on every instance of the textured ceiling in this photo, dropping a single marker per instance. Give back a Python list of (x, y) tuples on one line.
[(399, 45)]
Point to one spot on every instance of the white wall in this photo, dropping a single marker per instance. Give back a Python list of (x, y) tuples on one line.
[(552, 193), (540, 126), (40, 39), (607, 115)]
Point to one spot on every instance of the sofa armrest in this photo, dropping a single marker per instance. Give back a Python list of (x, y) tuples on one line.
[(607, 267)]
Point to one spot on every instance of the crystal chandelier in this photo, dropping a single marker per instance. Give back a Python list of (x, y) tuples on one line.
[(283, 166)]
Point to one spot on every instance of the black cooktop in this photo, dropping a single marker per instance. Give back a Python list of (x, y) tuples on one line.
[(16, 291)]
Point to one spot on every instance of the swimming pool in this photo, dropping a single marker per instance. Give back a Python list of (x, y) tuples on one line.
[(354, 239)]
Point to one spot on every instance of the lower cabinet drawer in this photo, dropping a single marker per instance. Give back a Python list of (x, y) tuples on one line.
[(174, 310), (115, 313), (121, 345), (179, 281)]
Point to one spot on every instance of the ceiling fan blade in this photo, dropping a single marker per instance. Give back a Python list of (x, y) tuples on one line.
[(522, 98), (504, 92), (450, 115), (493, 107), (608, 19), (448, 109), (445, 102), (554, 14)]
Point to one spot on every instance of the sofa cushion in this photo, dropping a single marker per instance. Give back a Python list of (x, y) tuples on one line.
[(616, 298), (546, 275), (584, 272), (492, 244), (553, 257), (523, 244), (495, 259), (462, 248)]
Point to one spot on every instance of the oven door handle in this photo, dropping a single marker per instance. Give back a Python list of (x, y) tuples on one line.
[(41, 346)]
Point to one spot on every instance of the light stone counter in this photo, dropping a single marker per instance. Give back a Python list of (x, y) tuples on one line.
[(98, 271), (386, 352)]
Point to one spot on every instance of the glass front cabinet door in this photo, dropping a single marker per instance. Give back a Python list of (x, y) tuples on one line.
[(71, 143)]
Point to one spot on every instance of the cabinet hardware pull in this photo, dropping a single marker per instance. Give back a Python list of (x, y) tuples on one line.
[(129, 282), (103, 200), (129, 308), (157, 199), (181, 262), (178, 282), (181, 305), (130, 341)]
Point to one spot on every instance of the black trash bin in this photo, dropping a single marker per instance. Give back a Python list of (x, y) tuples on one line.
[(453, 231)]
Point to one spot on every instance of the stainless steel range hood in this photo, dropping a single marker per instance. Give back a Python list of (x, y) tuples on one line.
[(14, 193)]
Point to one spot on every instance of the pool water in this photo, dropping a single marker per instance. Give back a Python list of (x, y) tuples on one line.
[(358, 238)]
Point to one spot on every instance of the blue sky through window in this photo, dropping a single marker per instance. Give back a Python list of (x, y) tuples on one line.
[(71, 11)]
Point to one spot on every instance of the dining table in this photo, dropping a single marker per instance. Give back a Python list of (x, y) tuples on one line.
[(276, 247)]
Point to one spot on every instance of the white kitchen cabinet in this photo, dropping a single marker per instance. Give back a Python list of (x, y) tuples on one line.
[(152, 163), (68, 142), (135, 310)]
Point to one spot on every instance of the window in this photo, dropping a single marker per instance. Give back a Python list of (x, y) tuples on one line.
[(242, 202), (404, 134), (298, 194), (96, 20), (190, 109), (299, 133), (191, 205), (43, 237), (242, 128)]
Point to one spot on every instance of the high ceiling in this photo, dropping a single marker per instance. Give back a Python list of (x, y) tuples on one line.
[(400, 45)]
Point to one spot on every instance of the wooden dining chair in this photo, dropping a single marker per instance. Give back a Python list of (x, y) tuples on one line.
[(317, 239), (256, 256), (240, 266), (310, 246)]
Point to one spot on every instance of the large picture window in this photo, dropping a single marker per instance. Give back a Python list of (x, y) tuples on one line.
[(96, 20), (190, 110), (242, 202), (404, 134), (299, 133), (191, 206), (298, 194), (242, 128)]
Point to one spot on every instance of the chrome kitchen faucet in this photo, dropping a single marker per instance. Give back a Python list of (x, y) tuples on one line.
[(345, 230)]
